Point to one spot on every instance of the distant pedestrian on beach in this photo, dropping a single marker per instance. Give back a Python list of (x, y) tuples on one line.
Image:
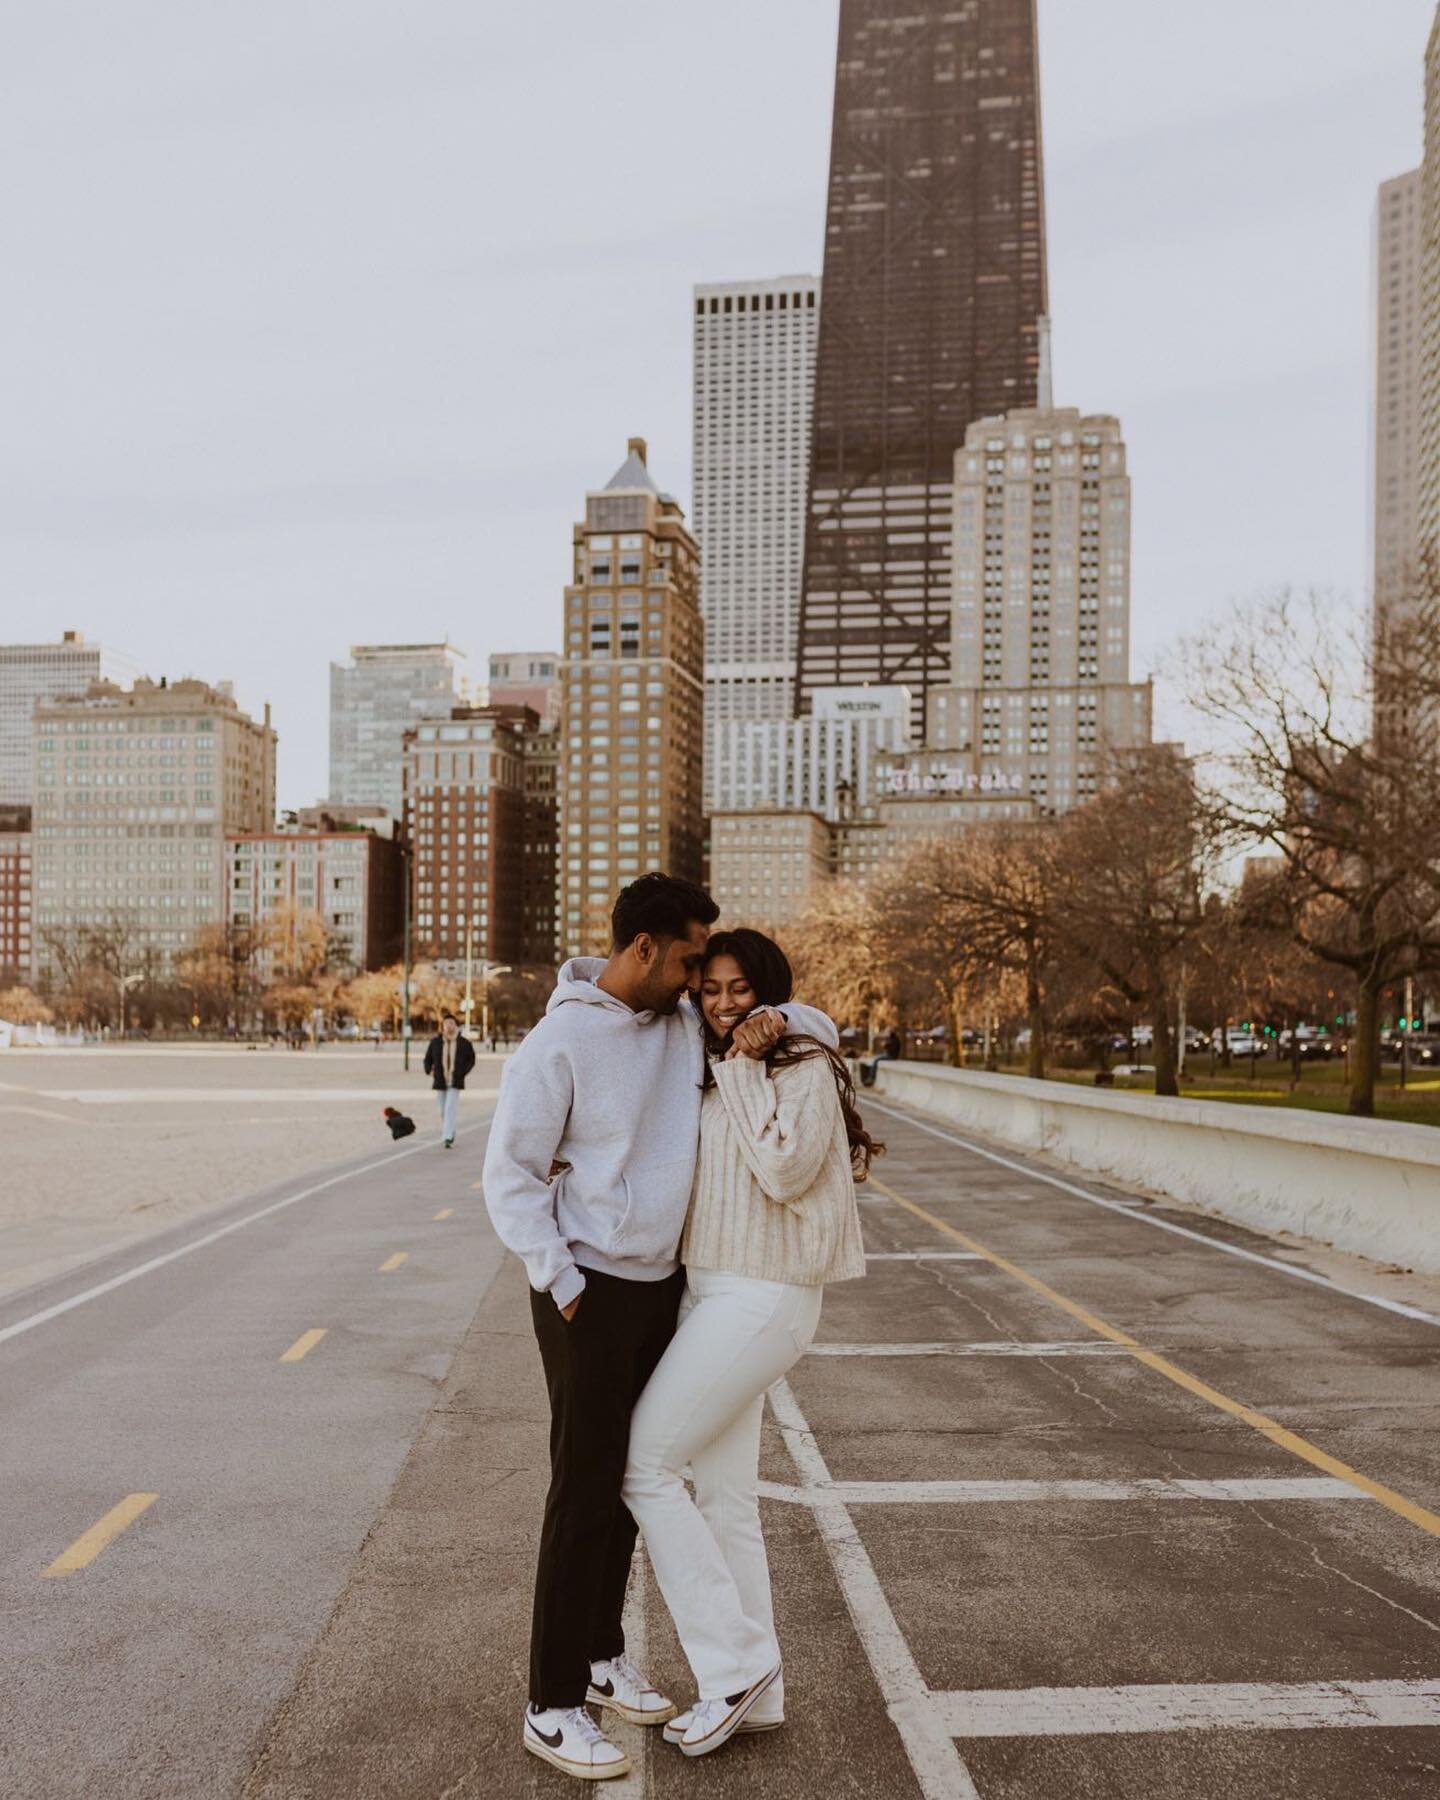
[(448, 1060)]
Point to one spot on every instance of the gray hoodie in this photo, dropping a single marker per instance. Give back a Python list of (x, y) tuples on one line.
[(614, 1094)]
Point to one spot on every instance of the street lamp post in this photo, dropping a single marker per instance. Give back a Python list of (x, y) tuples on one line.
[(490, 971), (468, 1004), (125, 983)]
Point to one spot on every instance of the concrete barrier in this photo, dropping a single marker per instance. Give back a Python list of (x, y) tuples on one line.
[(1363, 1185)]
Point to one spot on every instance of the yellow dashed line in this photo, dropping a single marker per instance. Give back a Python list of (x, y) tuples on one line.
[(1277, 1434), (87, 1547), (304, 1345), (445, 1213), (392, 1263)]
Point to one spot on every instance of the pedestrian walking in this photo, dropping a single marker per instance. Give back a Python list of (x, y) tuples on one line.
[(772, 1220), (608, 1086), (449, 1058)]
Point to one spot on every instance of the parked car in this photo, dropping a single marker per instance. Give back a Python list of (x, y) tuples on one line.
[(1241, 1043), (1315, 1045)]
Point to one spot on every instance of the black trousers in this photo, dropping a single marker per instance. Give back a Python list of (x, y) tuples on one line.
[(595, 1367)]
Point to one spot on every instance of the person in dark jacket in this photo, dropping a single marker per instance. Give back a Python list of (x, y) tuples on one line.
[(449, 1059)]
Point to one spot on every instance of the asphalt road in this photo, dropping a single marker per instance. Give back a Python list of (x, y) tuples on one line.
[(1071, 1500)]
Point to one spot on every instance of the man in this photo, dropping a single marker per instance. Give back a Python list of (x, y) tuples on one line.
[(605, 1092), (448, 1060)]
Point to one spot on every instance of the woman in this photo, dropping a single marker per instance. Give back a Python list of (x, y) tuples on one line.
[(772, 1219)]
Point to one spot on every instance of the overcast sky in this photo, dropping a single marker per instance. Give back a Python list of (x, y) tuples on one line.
[(319, 316)]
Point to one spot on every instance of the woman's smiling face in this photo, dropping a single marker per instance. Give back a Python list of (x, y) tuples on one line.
[(726, 996)]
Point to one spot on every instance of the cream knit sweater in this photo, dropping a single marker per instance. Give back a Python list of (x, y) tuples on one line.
[(774, 1196)]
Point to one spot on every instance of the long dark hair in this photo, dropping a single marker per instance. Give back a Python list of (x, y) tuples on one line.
[(767, 969)]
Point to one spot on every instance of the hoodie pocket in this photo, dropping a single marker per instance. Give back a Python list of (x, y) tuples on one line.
[(597, 1217), (657, 1197)]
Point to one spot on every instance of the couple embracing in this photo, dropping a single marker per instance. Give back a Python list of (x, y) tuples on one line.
[(673, 1158)]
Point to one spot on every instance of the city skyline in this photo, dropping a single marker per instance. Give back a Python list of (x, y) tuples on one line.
[(236, 468)]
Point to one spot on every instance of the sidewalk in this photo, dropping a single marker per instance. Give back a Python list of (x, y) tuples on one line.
[(417, 1684)]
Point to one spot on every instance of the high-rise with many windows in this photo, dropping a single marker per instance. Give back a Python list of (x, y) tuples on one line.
[(480, 819), (31, 674), (754, 365), (15, 894), (824, 761), (634, 701), (1039, 687), (375, 698), (136, 791), (934, 285), (349, 877), (1428, 499), (1395, 524)]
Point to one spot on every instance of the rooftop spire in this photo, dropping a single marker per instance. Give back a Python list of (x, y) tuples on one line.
[(1044, 383)]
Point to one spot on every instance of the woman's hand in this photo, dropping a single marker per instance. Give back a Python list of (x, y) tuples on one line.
[(758, 1035)]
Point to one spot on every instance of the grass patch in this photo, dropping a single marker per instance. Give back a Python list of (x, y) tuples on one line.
[(1322, 1088)]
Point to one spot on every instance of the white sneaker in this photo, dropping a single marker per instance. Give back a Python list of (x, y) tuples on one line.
[(618, 1684), (714, 1722), (568, 1737), (767, 1714)]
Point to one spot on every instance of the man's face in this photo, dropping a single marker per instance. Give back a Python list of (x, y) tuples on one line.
[(673, 969), (449, 1028)]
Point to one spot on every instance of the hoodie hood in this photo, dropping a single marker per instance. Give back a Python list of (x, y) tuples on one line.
[(576, 983)]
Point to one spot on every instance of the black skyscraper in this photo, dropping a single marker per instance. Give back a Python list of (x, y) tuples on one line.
[(934, 282)]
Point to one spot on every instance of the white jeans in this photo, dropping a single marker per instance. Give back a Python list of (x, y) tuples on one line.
[(449, 1099), (702, 1407)]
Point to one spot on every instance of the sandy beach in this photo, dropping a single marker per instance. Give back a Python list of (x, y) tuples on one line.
[(101, 1147)]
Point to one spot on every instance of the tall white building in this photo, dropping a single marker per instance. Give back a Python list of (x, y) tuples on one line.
[(753, 371), (817, 763), (35, 674), (1395, 500), (384, 691), (1039, 683)]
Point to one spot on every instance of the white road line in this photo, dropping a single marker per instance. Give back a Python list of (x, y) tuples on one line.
[(938, 1765), (1000, 1347), (992, 1493), (210, 1237), (1128, 1210), (1225, 1706), (923, 1256)]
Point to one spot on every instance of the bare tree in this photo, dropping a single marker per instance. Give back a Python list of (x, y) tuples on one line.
[(1328, 755), (841, 954), (991, 898), (373, 998), (295, 942), (1130, 867)]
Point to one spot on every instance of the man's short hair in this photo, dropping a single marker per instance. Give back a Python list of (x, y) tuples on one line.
[(450, 1016), (662, 906)]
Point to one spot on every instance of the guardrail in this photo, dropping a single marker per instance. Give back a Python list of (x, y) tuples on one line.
[(1364, 1185)]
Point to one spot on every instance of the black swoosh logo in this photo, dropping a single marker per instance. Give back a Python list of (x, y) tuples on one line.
[(606, 1687), (545, 1737)]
